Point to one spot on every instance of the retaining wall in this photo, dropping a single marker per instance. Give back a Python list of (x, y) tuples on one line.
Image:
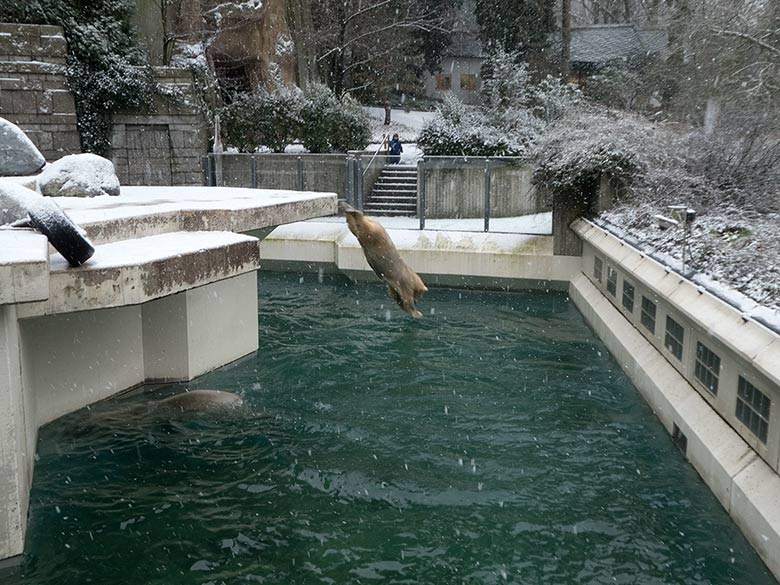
[(455, 188), (161, 147), (711, 375), (34, 93)]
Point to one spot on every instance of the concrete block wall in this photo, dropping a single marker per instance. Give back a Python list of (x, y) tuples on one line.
[(161, 147), (164, 147), (33, 89)]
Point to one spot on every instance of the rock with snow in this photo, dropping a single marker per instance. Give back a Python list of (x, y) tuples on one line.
[(79, 175), (18, 155), (15, 201)]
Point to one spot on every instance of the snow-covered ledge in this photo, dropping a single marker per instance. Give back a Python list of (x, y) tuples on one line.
[(147, 211), (170, 294), (697, 361)]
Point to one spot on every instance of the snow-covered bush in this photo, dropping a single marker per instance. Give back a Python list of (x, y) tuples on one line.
[(659, 165), (330, 124), (274, 119), (638, 83), (581, 147), (263, 118), (513, 113), (458, 129)]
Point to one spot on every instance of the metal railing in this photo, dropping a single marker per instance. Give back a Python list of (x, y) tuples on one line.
[(447, 187)]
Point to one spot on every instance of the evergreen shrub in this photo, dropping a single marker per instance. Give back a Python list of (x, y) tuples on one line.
[(274, 119)]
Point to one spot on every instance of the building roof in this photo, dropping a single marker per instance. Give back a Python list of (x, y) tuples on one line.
[(602, 43)]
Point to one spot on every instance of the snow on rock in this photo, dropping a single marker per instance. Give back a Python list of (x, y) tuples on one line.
[(15, 201), (18, 155), (79, 175)]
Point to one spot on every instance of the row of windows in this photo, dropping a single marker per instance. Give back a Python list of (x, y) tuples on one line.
[(468, 82), (753, 406)]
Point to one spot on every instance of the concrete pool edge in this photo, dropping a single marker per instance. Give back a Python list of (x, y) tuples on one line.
[(443, 258), (744, 484)]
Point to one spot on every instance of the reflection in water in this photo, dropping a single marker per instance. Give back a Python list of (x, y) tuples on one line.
[(492, 441)]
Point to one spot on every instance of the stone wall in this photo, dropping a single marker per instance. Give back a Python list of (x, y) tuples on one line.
[(33, 91), (163, 147)]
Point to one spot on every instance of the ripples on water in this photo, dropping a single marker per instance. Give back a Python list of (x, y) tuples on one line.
[(493, 441)]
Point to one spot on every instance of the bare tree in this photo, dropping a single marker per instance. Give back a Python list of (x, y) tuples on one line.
[(565, 38), (364, 43)]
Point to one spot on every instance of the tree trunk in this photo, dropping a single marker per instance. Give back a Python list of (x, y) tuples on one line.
[(565, 39)]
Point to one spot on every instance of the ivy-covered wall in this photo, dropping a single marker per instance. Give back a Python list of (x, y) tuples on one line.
[(158, 145)]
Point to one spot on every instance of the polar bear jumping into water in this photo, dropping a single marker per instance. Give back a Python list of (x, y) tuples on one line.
[(403, 283)]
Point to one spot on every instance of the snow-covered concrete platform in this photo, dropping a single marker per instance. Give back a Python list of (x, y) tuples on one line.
[(170, 294), (147, 211)]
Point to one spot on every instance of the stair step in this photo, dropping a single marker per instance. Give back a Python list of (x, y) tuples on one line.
[(398, 206), (391, 213), (390, 198), (393, 190), (400, 175), (396, 183)]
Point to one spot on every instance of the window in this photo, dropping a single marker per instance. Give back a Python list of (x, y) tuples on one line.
[(468, 82), (611, 281), (648, 314), (707, 367), (628, 296), (598, 268), (675, 334), (443, 82), (753, 409)]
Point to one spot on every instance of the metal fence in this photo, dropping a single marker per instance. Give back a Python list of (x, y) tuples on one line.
[(350, 175)]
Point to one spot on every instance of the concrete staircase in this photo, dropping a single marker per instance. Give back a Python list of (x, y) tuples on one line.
[(394, 193)]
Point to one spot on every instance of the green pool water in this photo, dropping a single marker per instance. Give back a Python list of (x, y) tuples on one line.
[(494, 441)]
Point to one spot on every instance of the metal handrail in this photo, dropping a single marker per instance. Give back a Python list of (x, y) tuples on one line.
[(381, 144)]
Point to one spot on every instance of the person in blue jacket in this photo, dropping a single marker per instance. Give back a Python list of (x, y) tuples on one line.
[(395, 150)]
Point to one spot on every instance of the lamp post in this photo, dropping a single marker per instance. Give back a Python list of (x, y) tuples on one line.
[(681, 215)]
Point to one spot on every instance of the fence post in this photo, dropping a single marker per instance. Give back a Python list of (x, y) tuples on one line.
[(487, 194), (206, 168), (421, 192), (348, 180), (213, 170), (253, 171), (359, 182), (300, 173)]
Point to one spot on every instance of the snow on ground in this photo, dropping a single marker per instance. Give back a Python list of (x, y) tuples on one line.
[(726, 248), (406, 124)]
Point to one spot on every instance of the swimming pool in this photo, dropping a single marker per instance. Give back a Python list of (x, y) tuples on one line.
[(493, 441)]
